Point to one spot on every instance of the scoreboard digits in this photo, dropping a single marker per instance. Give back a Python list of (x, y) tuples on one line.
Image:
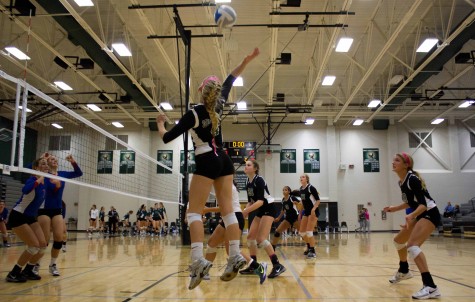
[(240, 151)]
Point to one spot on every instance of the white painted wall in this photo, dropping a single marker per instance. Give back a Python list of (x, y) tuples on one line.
[(448, 168)]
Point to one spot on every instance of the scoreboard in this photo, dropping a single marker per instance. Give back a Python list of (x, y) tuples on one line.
[(240, 151)]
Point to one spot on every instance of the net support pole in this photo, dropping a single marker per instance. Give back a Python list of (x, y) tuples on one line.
[(15, 124), (186, 38)]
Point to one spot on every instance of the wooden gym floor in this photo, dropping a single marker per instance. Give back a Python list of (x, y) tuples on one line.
[(349, 267)]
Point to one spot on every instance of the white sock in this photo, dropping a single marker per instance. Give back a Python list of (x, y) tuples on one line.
[(53, 261), (196, 251), (234, 248)]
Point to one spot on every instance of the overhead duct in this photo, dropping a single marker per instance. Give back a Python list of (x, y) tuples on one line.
[(434, 67), (80, 37)]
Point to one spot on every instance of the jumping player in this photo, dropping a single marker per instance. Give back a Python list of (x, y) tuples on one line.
[(213, 168)]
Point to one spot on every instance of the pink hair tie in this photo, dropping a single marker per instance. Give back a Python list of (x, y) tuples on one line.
[(207, 80), (406, 157)]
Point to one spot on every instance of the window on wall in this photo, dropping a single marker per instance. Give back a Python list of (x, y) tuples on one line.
[(417, 138), (59, 143), (472, 140), (113, 145)]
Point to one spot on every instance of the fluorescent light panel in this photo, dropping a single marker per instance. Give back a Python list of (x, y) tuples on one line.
[(84, 3), (238, 82), (427, 45), (63, 85), (20, 55), (166, 106), (374, 103), (358, 122), (27, 110), (328, 80), (467, 103), (121, 49), (437, 121), (57, 126), (309, 121), (241, 105), (94, 107), (344, 45), (222, 1), (118, 125)]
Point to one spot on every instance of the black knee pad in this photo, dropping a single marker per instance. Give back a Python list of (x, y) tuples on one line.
[(276, 234), (57, 245)]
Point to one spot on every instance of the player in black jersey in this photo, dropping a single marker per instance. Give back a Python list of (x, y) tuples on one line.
[(310, 202), (213, 168), (289, 208), (259, 199), (420, 223)]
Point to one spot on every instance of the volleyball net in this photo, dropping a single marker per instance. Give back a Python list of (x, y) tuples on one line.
[(111, 162)]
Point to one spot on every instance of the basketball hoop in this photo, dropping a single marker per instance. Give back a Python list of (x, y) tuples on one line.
[(268, 154)]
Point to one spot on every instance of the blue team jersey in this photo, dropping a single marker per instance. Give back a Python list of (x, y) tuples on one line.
[(54, 196)]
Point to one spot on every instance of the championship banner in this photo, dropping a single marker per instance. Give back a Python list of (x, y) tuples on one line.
[(288, 163), (371, 159), (104, 162), (165, 157), (191, 161), (127, 162), (311, 160)]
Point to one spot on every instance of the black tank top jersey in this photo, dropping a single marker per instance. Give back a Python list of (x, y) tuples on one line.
[(257, 190), (156, 213), (198, 121), (305, 194), (413, 194), (289, 207)]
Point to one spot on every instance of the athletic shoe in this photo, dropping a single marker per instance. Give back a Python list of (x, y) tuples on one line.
[(18, 278), (6, 244), (261, 271), (398, 276), (64, 248), (427, 292), (311, 255), (235, 263), (198, 269), (306, 252), (206, 277), (53, 270), (247, 271), (30, 275), (36, 269), (277, 270)]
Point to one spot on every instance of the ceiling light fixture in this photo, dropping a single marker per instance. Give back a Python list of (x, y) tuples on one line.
[(121, 49), (427, 45), (166, 106), (344, 45), (358, 122), (242, 105), (63, 85), (328, 80), (82, 3), (238, 82), (118, 124), (57, 126), (94, 107), (374, 103), (222, 1), (309, 121), (27, 110), (20, 55), (467, 103), (437, 121)]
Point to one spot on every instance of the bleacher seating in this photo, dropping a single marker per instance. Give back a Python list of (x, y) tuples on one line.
[(461, 223)]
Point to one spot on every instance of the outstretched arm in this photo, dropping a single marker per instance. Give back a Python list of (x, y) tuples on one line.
[(240, 68)]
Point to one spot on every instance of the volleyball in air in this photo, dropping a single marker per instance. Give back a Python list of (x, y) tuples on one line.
[(225, 16)]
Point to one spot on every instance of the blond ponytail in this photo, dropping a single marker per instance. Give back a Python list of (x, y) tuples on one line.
[(211, 93)]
